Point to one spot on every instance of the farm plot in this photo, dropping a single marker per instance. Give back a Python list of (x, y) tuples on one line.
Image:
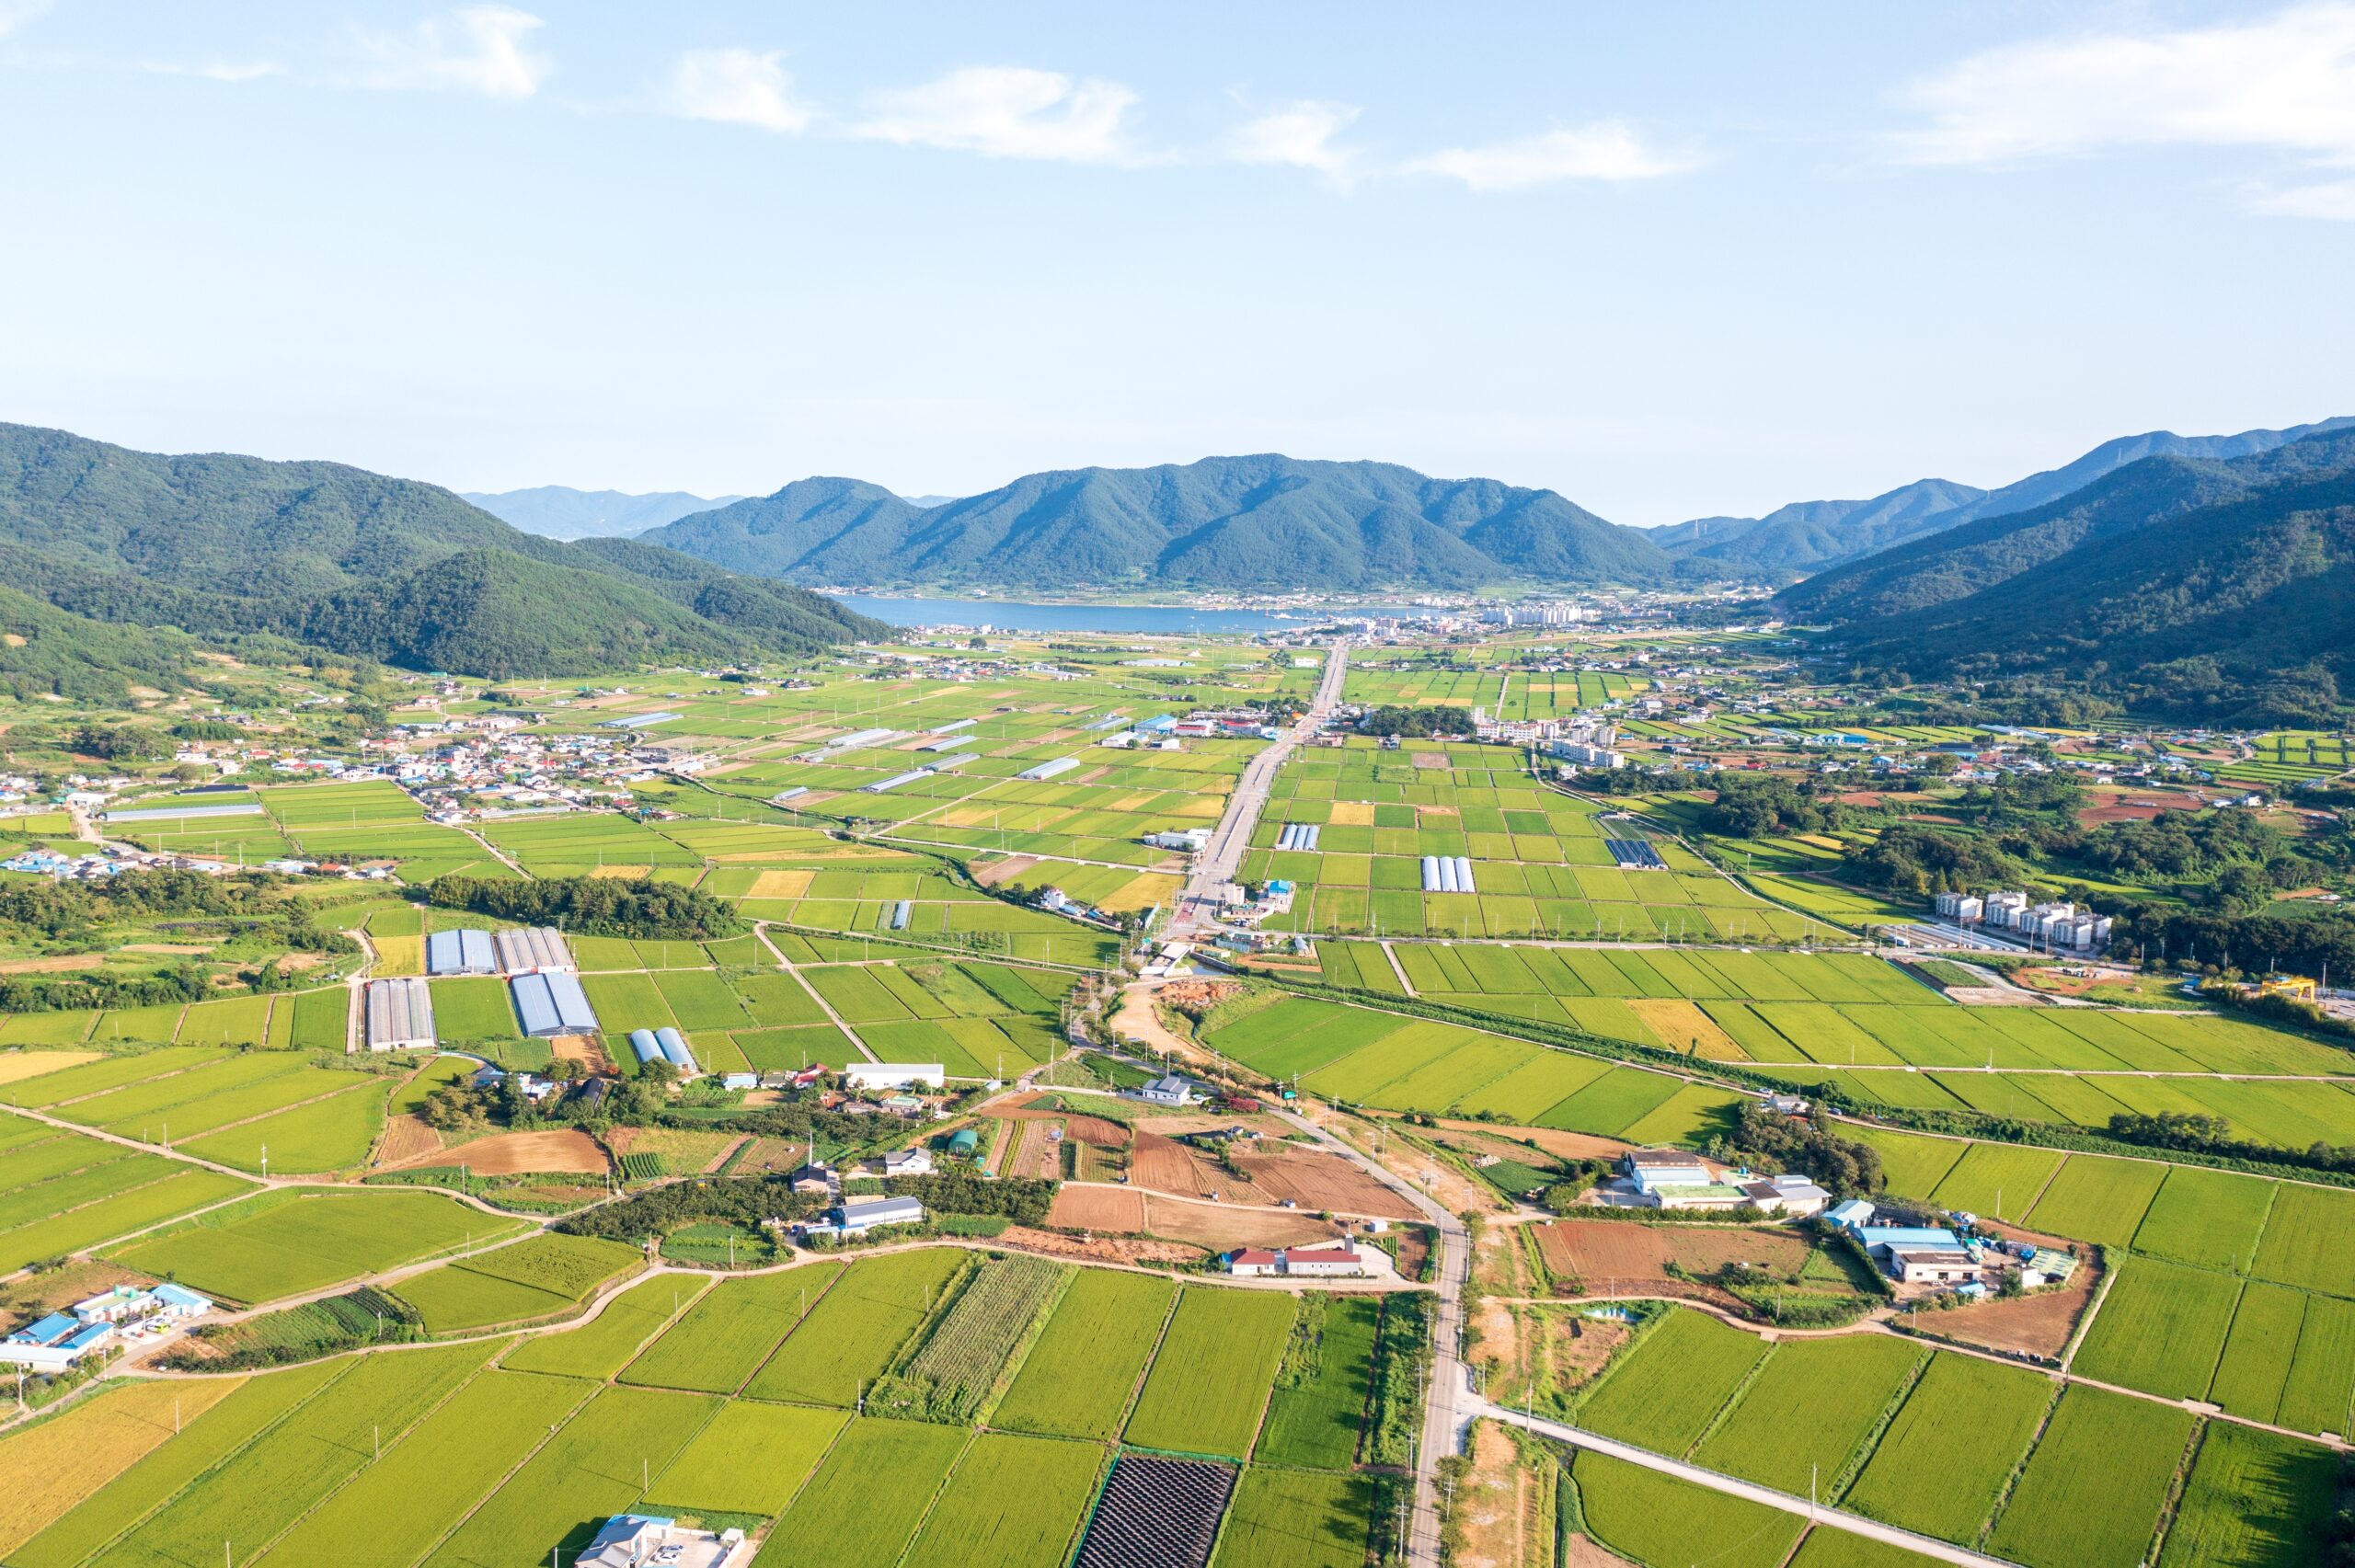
[(1322, 1386), (137, 1194), (1297, 1520), (537, 1277), (54, 1469), (2254, 1500), (224, 1430), (1080, 1376), (1656, 1519), (1669, 1386), (272, 1482), (1944, 1461), (1209, 1383), (723, 1338), (2160, 1329), (330, 1134), (875, 1487), (2091, 1495), (751, 1459), (1809, 1408), (855, 1329), (1011, 1500), (602, 1346), (2002, 1180), (2210, 1218), (2310, 1240), (962, 1358), (591, 1469), (287, 1242), (2098, 1201), (398, 1507)]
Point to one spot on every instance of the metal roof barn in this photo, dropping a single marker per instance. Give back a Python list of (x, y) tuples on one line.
[(399, 1015), (553, 1003), (536, 947), (1048, 770)]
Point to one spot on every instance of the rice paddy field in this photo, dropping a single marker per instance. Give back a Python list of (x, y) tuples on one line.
[(2232, 1288), (1541, 862), (1961, 1448), (284, 1243), (499, 1451)]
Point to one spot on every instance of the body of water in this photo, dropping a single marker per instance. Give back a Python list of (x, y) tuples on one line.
[(1168, 620)]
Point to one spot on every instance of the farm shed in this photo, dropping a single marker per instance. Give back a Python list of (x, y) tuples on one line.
[(536, 948), (675, 1049), (553, 1003), (643, 1042), (400, 1014), (465, 952), (1048, 770)]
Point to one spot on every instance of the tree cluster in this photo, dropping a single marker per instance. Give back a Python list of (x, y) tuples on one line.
[(1772, 1141), (1439, 718), (589, 906)]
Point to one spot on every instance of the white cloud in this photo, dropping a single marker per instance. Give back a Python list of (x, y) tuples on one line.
[(1300, 135), (737, 87), (1606, 150), (2284, 82), (1007, 111), (2333, 200), (476, 49), (14, 14)]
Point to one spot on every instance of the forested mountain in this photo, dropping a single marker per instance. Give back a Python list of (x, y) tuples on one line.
[(558, 511), (2223, 587), (1815, 536), (1809, 536), (1265, 522), (361, 564)]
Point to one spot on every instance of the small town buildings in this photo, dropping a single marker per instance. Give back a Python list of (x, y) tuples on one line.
[(1171, 1089), (1790, 1195), (1652, 1170), (858, 1216), (814, 1178), (1931, 1265), (646, 1541), (55, 1343), (1332, 1260), (905, 1163)]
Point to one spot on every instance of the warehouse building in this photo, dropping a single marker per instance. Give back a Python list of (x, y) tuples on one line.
[(459, 953), (553, 1003), (530, 949), (1048, 770), (400, 1015)]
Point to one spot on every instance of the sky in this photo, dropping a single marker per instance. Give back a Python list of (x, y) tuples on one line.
[(1669, 260)]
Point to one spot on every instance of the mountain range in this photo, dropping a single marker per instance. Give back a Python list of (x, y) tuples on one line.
[(558, 511), (1231, 523), (1273, 523), (2199, 584), (352, 561)]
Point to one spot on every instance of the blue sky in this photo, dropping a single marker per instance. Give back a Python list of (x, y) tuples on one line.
[(1668, 259)]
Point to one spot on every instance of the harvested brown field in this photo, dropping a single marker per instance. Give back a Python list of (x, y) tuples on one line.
[(1681, 1023), (407, 1140), (582, 1049), (1504, 1512), (1164, 1165), (1097, 1248), (1561, 1145), (523, 1153), (55, 963), (995, 871), (1030, 1149), (17, 1066), (1096, 1208), (1323, 1181), (780, 884), (1627, 1253), (1221, 1228), (769, 1156), (1093, 1130)]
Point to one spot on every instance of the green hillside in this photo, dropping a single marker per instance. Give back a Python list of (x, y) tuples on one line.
[(1238, 523), (2224, 591), (361, 564)]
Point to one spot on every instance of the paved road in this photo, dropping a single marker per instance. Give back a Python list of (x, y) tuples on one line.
[(1828, 1518), (1224, 855), (1449, 1405)]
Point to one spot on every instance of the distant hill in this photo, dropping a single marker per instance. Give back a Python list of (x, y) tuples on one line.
[(1814, 536), (558, 511), (2217, 586), (359, 563), (1265, 522)]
